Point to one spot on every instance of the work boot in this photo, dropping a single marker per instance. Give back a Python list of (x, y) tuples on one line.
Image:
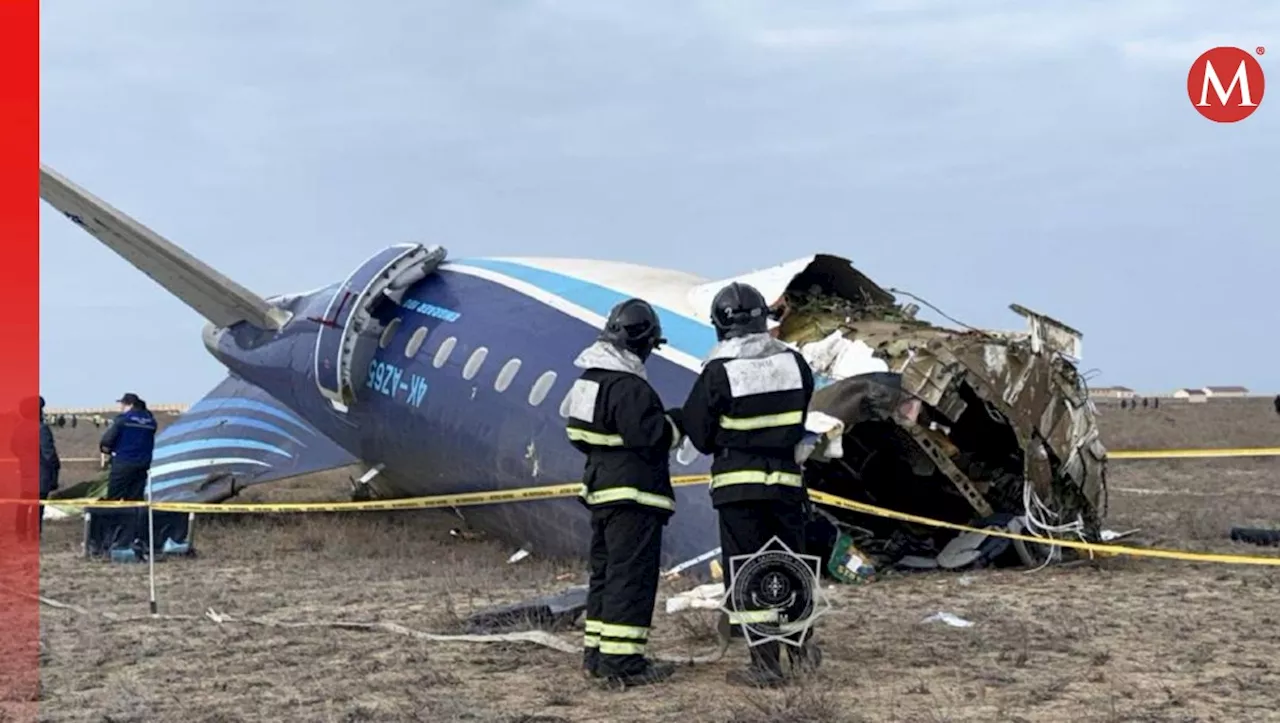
[(765, 670), (806, 658), (591, 662), (652, 672)]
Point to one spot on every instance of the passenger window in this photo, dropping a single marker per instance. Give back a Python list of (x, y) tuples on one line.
[(442, 354), (507, 374), (415, 342), (542, 388), (389, 333), (473, 364)]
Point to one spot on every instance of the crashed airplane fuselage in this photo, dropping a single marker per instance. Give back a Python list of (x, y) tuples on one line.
[(444, 376)]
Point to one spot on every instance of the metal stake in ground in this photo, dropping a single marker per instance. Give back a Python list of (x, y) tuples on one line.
[(151, 545)]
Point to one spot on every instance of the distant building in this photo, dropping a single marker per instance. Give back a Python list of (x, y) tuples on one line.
[(1191, 395), (90, 411), (1112, 393), (1225, 392)]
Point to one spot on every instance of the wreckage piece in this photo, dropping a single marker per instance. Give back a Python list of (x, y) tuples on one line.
[(550, 612), (1260, 536), (952, 424)]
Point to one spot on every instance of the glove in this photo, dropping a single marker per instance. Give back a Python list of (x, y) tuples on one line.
[(676, 415)]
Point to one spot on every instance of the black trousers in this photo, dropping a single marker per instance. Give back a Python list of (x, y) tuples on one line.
[(626, 544), (48, 483), (745, 527), (119, 527)]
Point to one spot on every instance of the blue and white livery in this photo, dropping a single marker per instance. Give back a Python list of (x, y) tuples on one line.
[(444, 375)]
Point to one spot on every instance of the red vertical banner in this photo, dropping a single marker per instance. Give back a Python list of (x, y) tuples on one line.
[(20, 368)]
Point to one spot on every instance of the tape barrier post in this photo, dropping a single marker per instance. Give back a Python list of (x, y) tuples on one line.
[(151, 547)]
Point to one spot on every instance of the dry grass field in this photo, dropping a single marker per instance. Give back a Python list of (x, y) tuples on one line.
[(1117, 640)]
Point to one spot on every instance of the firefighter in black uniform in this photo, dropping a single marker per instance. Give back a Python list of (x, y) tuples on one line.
[(617, 419), (747, 409)]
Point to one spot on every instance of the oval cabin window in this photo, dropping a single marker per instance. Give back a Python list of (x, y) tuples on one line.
[(506, 375), (542, 388), (415, 342), (473, 364), (389, 333), (442, 354)]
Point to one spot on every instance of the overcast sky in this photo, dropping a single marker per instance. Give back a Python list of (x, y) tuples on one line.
[(976, 153)]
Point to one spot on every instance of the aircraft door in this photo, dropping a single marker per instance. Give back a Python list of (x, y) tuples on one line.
[(350, 328)]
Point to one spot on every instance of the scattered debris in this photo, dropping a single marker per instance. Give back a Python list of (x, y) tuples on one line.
[(702, 597), (675, 571), (550, 612), (953, 620), (517, 556), (972, 549), (1112, 535), (1256, 536), (848, 564), (836, 357), (975, 550), (823, 439), (536, 637)]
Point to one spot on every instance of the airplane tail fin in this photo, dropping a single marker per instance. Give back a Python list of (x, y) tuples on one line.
[(213, 295), (235, 437)]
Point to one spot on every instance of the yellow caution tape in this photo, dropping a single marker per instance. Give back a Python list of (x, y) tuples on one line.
[(829, 499), (461, 499), (1193, 453), (571, 490)]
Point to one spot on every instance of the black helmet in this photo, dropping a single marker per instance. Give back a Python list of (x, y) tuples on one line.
[(633, 325), (739, 309)]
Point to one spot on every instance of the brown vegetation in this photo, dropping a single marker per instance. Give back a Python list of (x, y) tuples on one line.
[(1119, 640)]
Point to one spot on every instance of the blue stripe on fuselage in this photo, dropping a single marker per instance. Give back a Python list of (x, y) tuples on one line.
[(197, 425), (688, 335), (220, 404), (176, 448)]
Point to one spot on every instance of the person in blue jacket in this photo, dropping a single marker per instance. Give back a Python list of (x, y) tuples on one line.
[(129, 440)]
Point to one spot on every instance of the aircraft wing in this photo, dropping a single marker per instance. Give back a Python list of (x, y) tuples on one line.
[(237, 436), (213, 295)]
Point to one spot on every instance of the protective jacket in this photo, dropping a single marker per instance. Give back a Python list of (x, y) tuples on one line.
[(747, 409), (616, 418), (131, 437)]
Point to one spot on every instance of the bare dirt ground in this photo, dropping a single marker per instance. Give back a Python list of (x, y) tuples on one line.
[(1119, 640)]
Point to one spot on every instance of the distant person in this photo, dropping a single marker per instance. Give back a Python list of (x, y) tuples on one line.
[(24, 441), (129, 441), (1277, 403), (50, 464)]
